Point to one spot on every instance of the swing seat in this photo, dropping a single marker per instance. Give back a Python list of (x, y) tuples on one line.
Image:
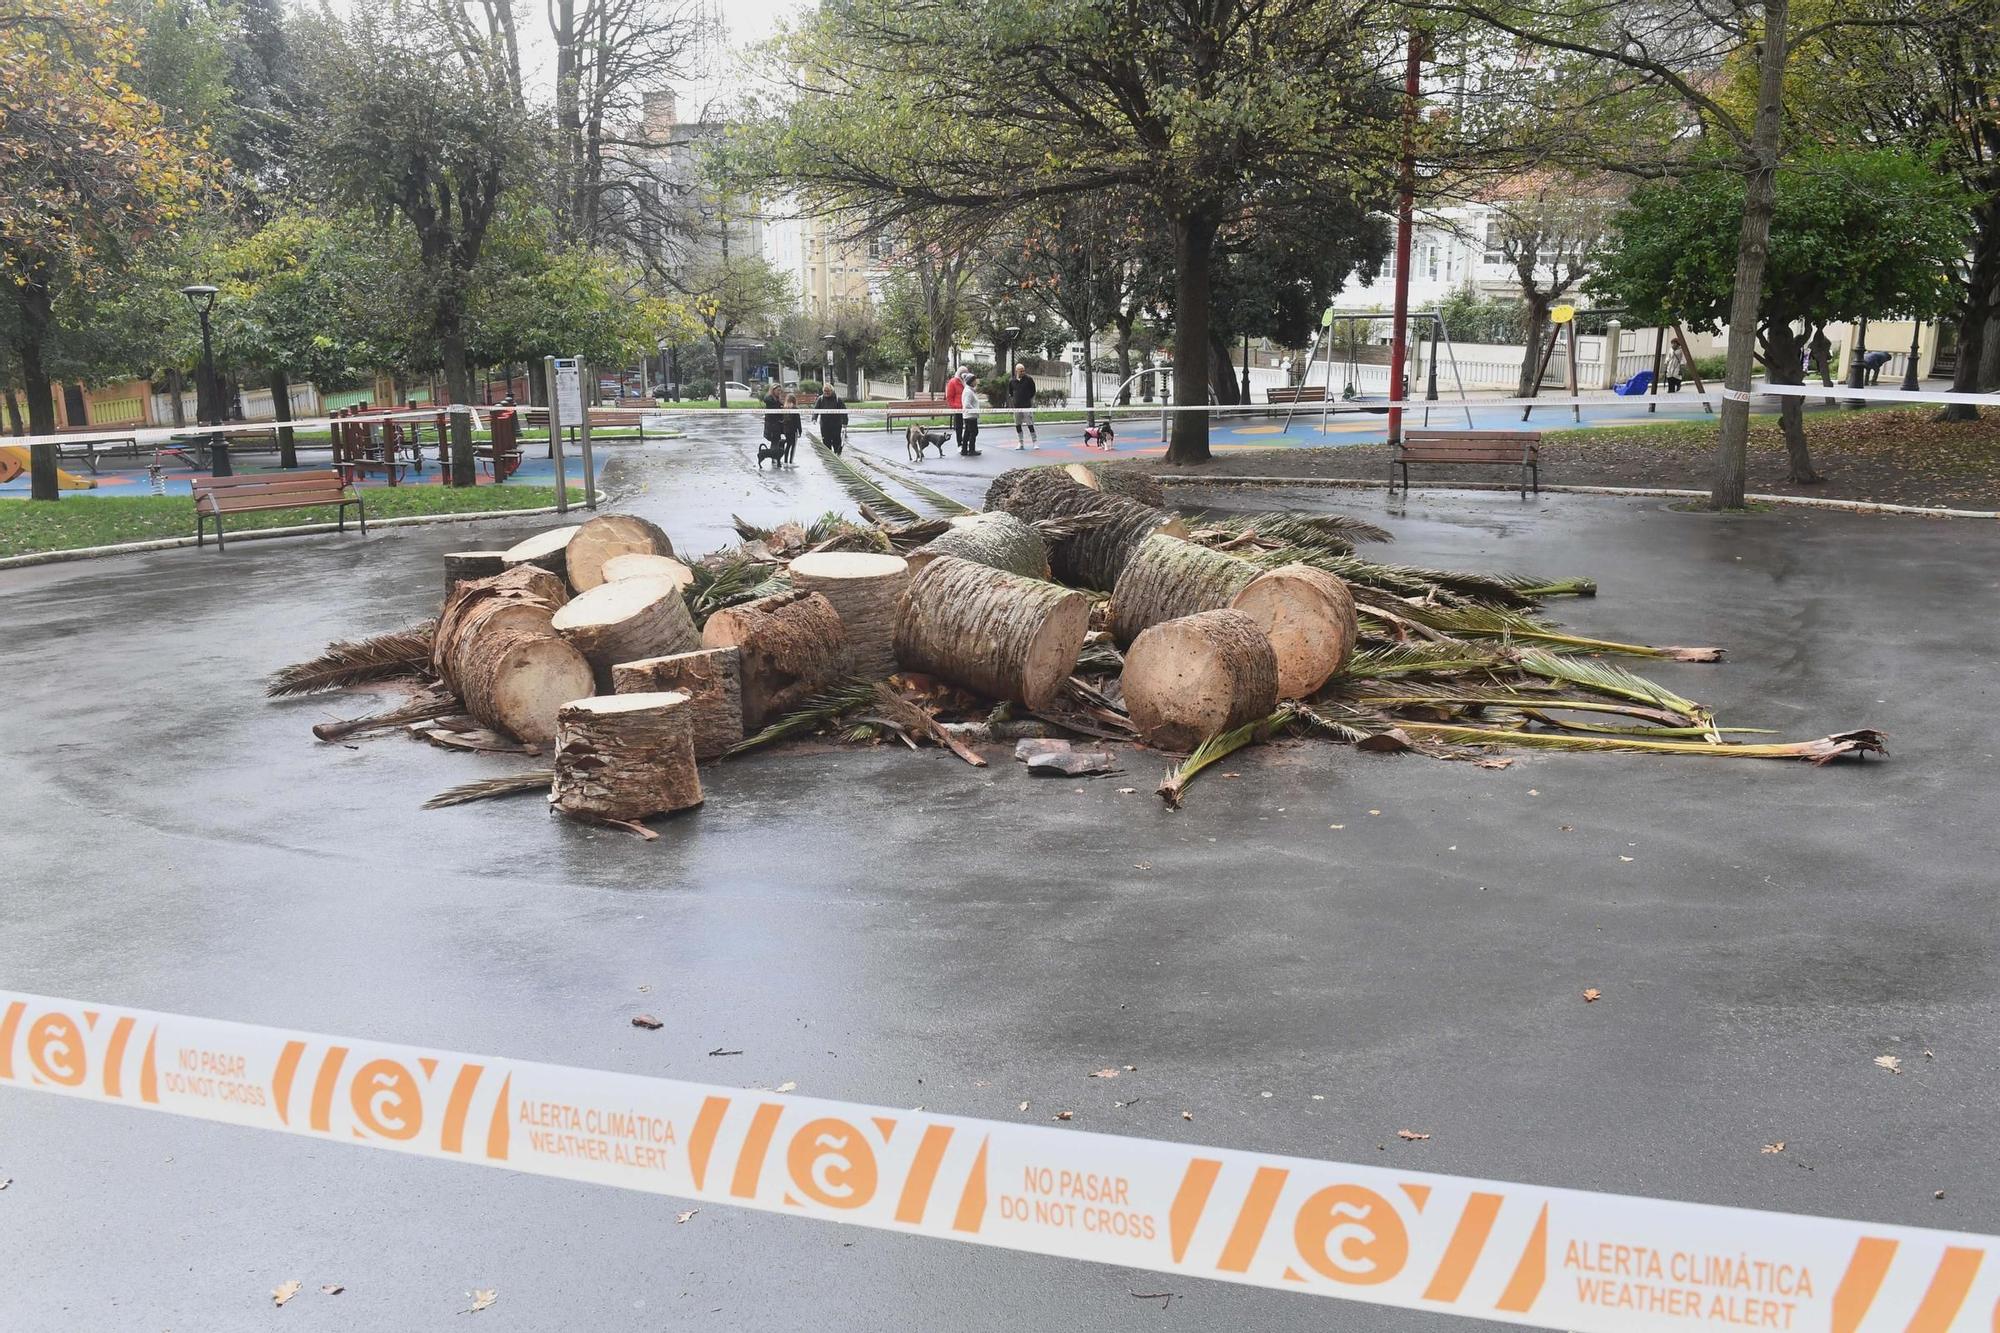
[(1635, 387)]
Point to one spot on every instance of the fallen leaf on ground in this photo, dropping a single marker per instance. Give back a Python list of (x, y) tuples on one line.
[(5, 1181), (1142, 865), (1024, 1106), (1624, 858), (1065, 1115), (1374, 812), (719, 1051), (1104, 1073), (480, 1300), (786, 1086), (332, 1289), (682, 1218), (1187, 1115), (647, 1021), (1232, 775), (1928, 1055), (644, 989), (1892, 1063), (1593, 995), (1779, 1146), (284, 1291), (1336, 826), (1533, 792), (1938, 1195), (1565, 828), (1122, 1105), (1126, 791), (1131, 1069), (1493, 763), (1411, 1136)]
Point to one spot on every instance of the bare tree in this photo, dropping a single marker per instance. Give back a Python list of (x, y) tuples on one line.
[(1547, 232)]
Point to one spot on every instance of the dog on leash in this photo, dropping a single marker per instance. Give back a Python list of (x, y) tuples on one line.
[(1099, 436), (771, 451), (918, 439)]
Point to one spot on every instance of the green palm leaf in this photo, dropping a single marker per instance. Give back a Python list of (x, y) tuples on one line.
[(820, 710), (867, 494)]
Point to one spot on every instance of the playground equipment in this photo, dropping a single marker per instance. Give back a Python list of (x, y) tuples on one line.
[(1562, 324), (14, 461), (1440, 338)]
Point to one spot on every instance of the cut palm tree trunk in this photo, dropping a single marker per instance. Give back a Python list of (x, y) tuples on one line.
[(1308, 614), (523, 598), (1119, 481), (991, 632), (514, 676), (995, 539), (606, 536), (1168, 578), (465, 566), (1188, 679), (625, 757), (547, 549), (866, 592), (791, 648), (638, 565), (625, 621), (711, 678), (393, 656), (1101, 531)]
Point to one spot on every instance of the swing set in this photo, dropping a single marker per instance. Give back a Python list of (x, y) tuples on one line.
[(1353, 322), (1562, 328)]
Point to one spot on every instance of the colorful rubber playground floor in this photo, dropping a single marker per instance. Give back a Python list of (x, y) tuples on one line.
[(127, 477)]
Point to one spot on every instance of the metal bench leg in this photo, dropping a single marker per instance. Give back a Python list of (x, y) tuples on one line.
[(361, 508), (218, 533), (1535, 471), (199, 531)]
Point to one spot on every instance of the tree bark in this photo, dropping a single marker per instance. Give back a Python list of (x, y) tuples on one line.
[(791, 648), (1194, 258), (625, 757), (1536, 322), (1189, 679), (711, 678), (281, 407), (1978, 314), (1094, 554), (466, 566), (457, 383), (495, 649), (1753, 243), (994, 633), (994, 538), (1782, 366), (1168, 578), (34, 305), (15, 424), (1223, 382), (1123, 347)]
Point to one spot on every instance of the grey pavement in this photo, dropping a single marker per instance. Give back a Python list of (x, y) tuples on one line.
[(902, 929)]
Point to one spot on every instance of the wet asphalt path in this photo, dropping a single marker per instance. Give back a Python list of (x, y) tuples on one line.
[(902, 929)]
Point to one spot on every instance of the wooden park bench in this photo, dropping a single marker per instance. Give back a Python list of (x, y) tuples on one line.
[(1506, 448), (216, 496), (1304, 393), (914, 409)]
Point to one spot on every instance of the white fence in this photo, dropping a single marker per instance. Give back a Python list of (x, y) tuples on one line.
[(256, 405)]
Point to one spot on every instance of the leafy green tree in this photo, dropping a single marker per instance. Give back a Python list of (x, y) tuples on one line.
[(729, 295), (905, 336), (1197, 107), (1853, 235)]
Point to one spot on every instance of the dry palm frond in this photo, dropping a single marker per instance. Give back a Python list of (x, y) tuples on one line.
[(1347, 723), (1219, 746), (937, 499), (396, 655), (747, 530), (514, 784), (1859, 742), (910, 716), (820, 710), (1449, 587), (1590, 728), (1329, 532), (430, 704), (1100, 657), (873, 500), (1488, 622), (1412, 659), (1531, 699)]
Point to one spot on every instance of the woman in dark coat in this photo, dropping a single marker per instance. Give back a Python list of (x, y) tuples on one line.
[(831, 417), (792, 424), (774, 424)]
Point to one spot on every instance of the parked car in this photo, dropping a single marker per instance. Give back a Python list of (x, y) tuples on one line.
[(735, 390)]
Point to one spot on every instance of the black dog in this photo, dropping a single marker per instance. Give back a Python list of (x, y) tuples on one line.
[(771, 450), (918, 439)]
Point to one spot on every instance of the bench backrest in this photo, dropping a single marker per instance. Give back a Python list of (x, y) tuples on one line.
[(1304, 393), (1469, 446), (259, 491)]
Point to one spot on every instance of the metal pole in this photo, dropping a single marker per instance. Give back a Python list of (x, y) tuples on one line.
[(1857, 375), (555, 433), (1659, 353), (1405, 215), (1910, 370), (583, 442), (218, 445)]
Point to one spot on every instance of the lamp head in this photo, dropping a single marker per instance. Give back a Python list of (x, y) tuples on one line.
[(200, 297)]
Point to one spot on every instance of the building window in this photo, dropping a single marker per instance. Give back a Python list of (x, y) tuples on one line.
[(1496, 245)]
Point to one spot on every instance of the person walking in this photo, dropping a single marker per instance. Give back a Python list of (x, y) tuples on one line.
[(1021, 397), (954, 400), (792, 425), (968, 443), (774, 423), (831, 414)]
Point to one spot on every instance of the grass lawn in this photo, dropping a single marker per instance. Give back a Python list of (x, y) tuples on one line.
[(28, 526)]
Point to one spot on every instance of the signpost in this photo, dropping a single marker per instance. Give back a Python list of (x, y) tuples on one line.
[(566, 409)]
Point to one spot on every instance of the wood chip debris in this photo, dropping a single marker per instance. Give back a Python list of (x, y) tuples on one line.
[(1411, 1135), (647, 1021), (480, 1299), (284, 1291)]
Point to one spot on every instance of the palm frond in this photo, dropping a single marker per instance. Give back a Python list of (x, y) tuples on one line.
[(937, 500), (514, 784), (1449, 587), (1612, 681), (1490, 622), (398, 654), (430, 704), (1219, 746), (871, 498), (816, 712), (1859, 742), (1346, 723), (740, 579), (747, 530), (1100, 657), (1327, 532), (1415, 659)]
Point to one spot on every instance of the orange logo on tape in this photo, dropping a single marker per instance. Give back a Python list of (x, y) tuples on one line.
[(386, 1100), (832, 1163), (1351, 1234), (55, 1047)]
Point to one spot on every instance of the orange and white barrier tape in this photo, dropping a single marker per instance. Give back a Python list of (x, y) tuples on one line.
[(1523, 1254)]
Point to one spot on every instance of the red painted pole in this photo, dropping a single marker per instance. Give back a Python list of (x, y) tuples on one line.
[(1405, 211)]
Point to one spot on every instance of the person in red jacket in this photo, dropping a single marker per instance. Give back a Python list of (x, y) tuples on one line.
[(954, 398)]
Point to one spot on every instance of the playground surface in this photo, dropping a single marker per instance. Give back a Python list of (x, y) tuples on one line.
[(1307, 960)]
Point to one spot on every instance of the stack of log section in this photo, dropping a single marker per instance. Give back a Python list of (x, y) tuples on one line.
[(592, 638)]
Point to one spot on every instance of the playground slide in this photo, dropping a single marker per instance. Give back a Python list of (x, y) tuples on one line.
[(14, 461)]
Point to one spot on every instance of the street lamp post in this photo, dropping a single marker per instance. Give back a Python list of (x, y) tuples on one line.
[(201, 299), (826, 380), (1910, 368)]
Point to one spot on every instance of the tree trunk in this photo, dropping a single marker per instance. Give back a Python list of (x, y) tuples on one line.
[(466, 566), (457, 385), (1536, 322), (711, 678), (1123, 322), (1223, 372), (625, 757), (1168, 578), (494, 648), (281, 407), (1783, 367), (176, 385), (1187, 680), (1089, 554), (1194, 256), (34, 306), (604, 537), (1140, 486), (639, 565), (1978, 315), (529, 586), (865, 591), (994, 633), (625, 622), (1308, 615), (791, 648), (995, 539), (15, 425), (549, 550), (1753, 243)]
